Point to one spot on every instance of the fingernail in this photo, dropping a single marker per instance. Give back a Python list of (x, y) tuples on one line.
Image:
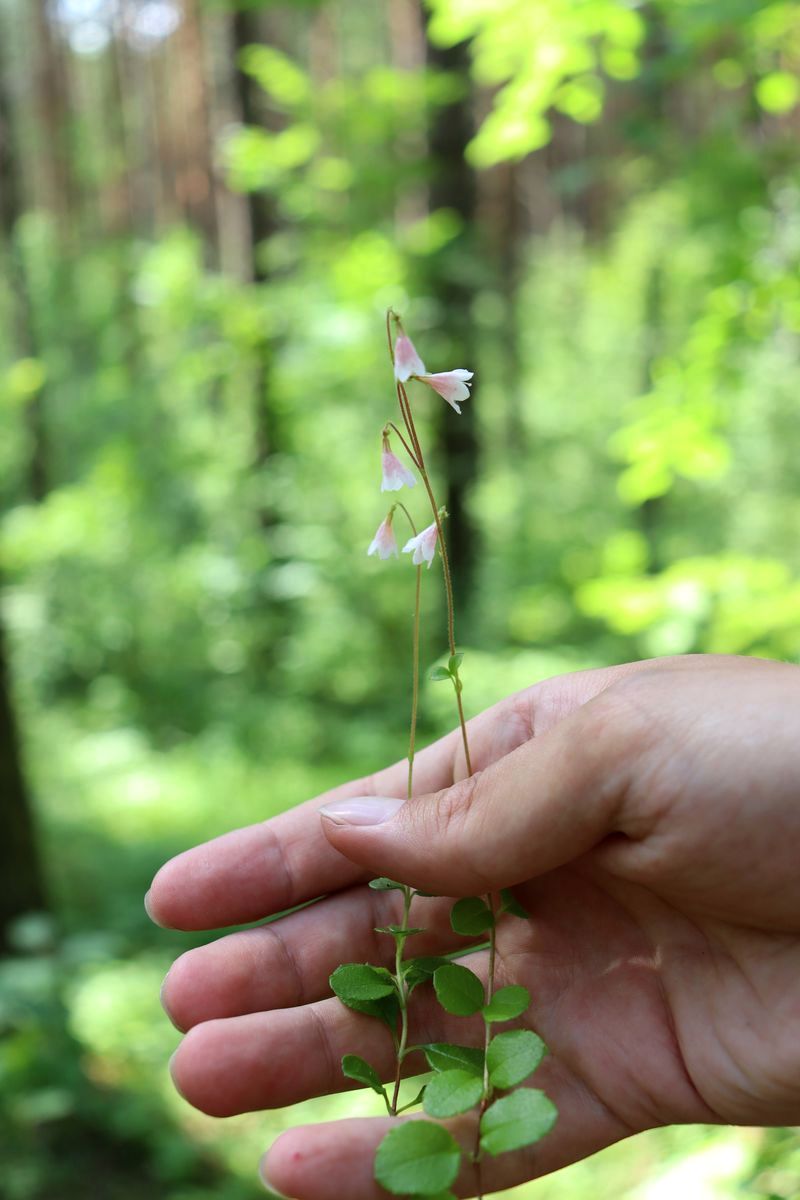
[(148, 908), (362, 810), (262, 1170), (171, 1069), (166, 1007)]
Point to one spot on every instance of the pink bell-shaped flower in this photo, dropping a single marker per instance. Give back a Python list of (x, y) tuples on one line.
[(394, 474), (406, 360), (423, 546), (453, 386), (384, 544)]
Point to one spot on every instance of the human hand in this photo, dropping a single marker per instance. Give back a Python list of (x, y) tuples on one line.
[(647, 816)]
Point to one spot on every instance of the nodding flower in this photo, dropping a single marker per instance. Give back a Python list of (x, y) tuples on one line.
[(395, 474), (423, 546), (452, 386), (384, 544), (406, 360)]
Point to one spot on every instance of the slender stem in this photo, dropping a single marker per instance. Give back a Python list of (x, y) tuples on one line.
[(408, 417), (406, 447), (414, 662), (487, 1037), (400, 942), (412, 738)]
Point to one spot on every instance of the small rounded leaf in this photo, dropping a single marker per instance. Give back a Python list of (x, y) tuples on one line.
[(451, 1093), (471, 916), (442, 1056), (417, 1158), (510, 904), (359, 1069), (517, 1120), (360, 981), (507, 1003), (458, 990), (513, 1056), (437, 674), (385, 885)]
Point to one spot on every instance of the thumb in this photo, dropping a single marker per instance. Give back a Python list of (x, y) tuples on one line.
[(546, 803)]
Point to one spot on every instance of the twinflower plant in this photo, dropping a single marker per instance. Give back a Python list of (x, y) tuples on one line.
[(421, 1157)]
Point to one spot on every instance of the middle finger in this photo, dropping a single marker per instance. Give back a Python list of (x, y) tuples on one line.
[(288, 962)]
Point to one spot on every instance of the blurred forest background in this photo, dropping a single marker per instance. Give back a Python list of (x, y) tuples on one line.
[(205, 208)]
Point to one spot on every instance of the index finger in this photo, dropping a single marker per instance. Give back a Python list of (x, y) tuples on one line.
[(263, 869)]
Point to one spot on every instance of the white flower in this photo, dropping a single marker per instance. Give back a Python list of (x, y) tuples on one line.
[(423, 545), (384, 544), (406, 360), (453, 386), (395, 474)]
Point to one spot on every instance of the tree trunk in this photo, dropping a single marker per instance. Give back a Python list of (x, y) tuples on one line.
[(195, 173), (11, 204), (247, 31), (21, 883)]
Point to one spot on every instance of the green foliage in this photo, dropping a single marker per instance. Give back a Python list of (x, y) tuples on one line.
[(458, 990), (506, 1004), (356, 982), (513, 1056), (452, 1092), (517, 1120), (471, 917), (442, 1056), (359, 1069), (510, 904), (417, 1159)]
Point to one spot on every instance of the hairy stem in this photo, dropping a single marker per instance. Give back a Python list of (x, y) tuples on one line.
[(400, 942), (487, 1037)]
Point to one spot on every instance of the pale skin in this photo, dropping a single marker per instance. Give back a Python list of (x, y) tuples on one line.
[(648, 818)]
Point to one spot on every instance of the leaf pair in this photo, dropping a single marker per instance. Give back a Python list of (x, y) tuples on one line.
[(460, 992), (450, 671), (422, 1159)]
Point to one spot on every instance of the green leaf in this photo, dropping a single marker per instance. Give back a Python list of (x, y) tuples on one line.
[(398, 930), (442, 1056), (510, 904), (416, 1100), (507, 1003), (386, 1009), (458, 990), (385, 885), (359, 1069), (417, 1158), (454, 662), (471, 916), (517, 1120), (513, 1056), (420, 970), (437, 674), (451, 1093), (360, 981)]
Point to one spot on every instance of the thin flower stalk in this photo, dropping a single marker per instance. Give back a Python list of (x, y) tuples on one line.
[(407, 892)]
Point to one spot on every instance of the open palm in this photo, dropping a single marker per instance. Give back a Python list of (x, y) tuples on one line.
[(662, 953)]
